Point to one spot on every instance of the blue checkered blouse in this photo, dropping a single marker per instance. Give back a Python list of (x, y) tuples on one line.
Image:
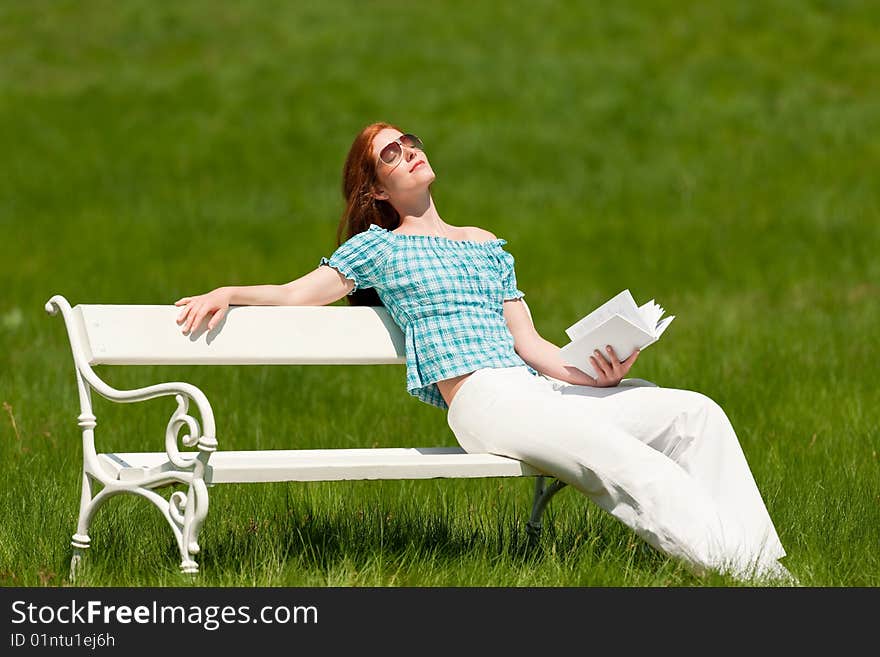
[(445, 295)]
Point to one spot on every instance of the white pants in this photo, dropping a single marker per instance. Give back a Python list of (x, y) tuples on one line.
[(665, 462)]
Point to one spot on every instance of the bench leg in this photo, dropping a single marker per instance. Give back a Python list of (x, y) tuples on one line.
[(88, 506), (187, 512), (81, 540), (543, 494)]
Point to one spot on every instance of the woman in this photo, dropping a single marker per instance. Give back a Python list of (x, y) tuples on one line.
[(665, 462)]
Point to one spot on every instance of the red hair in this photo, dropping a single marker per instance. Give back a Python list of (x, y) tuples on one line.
[(359, 180)]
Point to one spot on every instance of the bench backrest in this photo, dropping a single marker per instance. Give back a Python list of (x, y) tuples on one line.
[(248, 335)]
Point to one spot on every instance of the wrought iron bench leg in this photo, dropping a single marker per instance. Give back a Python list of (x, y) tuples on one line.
[(543, 494), (81, 541)]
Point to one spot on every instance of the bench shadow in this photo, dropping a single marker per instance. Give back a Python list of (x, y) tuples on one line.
[(319, 543), (300, 538), (322, 542)]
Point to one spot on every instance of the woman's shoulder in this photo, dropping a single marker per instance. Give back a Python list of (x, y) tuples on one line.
[(478, 234), (373, 233), (376, 232), (374, 238)]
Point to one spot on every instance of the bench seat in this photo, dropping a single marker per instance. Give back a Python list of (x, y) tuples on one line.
[(254, 466)]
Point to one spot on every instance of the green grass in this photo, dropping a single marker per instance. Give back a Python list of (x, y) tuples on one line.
[(721, 160)]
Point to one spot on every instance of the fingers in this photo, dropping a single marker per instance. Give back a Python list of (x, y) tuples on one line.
[(615, 362), (197, 318), (216, 318), (628, 363), (609, 368), (187, 317), (632, 357), (600, 364), (192, 316), (196, 310), (189, 301), (183, 313)]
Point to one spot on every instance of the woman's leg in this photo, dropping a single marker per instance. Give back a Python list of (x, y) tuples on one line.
[(510, 412), (695, 432)]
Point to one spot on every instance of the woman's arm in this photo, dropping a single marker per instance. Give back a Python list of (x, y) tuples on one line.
[(317, 288), (544, 356)]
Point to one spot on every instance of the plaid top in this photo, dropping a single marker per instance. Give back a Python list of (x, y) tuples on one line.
[(445, 295)]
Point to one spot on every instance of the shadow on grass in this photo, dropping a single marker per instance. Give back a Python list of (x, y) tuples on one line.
[(295, 543)]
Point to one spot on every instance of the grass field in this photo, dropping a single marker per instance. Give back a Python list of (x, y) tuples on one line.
[(721, 160)]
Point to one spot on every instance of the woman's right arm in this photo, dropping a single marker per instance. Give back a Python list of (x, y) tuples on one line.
[(319, 287)]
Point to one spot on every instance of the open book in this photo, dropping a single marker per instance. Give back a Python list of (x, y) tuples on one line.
[(618, 322)]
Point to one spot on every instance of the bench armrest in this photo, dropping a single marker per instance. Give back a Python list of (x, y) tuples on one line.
[(204, 437)]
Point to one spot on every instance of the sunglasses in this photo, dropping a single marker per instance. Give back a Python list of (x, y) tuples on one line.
[(391, 154)]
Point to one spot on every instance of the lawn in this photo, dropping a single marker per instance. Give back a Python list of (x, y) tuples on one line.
[(719, 159)]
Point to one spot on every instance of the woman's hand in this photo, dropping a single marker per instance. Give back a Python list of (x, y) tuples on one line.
[(213, 304), (610, 372)]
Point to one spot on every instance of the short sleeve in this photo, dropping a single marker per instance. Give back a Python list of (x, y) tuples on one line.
[(508, 274), (361, 258)]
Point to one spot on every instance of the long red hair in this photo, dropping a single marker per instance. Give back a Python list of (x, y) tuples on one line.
[(359, 179)]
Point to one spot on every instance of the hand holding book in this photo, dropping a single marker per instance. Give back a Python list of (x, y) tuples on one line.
[(618, 323), (609, 368)]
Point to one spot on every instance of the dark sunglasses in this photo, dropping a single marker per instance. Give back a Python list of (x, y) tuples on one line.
[(390, 155)]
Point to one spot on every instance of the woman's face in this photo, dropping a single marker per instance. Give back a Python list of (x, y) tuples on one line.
[(411, 173)]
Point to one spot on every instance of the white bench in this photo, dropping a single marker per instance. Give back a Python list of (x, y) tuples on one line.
[(248, 335)]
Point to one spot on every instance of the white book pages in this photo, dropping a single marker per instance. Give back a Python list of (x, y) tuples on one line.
[(651, 313), (661, 326), (623, 304), (617, 322)]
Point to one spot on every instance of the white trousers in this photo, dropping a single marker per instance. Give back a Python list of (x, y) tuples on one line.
[(665, 462)]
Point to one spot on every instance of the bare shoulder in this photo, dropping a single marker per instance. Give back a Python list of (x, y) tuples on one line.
[(480, 234)]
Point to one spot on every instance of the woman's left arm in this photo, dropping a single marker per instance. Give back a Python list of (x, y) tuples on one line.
[(544, 356)]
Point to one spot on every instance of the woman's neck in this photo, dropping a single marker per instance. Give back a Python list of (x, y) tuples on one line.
[(421, 217)]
